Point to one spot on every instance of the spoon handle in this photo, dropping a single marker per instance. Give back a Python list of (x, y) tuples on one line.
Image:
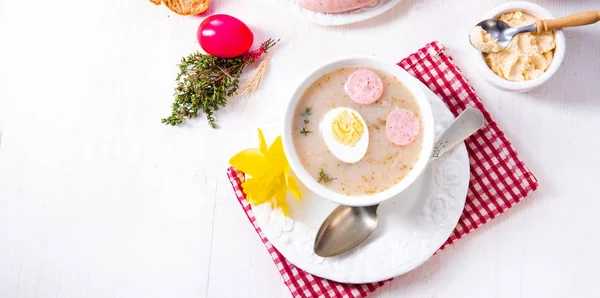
[(467, 123), (574, 20)]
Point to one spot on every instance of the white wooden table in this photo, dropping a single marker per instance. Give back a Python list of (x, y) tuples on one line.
[(99, 199)]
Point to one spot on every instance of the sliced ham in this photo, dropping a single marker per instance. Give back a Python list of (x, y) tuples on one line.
[(333, 6)]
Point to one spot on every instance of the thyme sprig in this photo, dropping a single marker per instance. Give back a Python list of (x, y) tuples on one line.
[(305, 131), (205, 82), (307, 112), (324, 177)]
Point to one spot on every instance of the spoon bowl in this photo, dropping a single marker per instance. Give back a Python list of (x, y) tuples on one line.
[(501, 32), (359, 222), (497, 29)]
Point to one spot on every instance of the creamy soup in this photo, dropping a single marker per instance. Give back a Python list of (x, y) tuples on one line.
[(385, 163)]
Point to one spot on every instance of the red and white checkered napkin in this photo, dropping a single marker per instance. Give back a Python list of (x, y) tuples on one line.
[(499, 179)]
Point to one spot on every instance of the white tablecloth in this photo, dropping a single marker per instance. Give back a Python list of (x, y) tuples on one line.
[(99, 199)]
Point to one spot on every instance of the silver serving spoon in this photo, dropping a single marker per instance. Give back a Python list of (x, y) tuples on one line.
[(346, 228), (503, 33)]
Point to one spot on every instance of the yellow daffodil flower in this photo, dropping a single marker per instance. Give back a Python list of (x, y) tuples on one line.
[(270, 174)]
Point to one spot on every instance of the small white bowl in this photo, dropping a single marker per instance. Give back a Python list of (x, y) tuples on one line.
[(559, 53), (427, 122)]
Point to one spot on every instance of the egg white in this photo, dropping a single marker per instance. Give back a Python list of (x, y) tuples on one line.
[(345, 153)]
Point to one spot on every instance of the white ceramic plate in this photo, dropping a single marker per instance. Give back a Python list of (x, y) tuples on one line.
[(412, 226), (329, 19)]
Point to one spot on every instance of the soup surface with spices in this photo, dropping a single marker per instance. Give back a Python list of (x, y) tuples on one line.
[(384, 164)]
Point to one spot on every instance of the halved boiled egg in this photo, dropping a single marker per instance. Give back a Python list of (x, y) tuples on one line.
[(345, 134)]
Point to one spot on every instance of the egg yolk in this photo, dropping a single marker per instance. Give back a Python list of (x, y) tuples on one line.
[(347, 128)]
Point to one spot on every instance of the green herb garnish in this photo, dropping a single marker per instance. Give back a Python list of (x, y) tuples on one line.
[(305, 131), (307, 112), (324, 177)]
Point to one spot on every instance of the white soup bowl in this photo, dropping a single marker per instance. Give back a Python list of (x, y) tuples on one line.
[(427, 123)]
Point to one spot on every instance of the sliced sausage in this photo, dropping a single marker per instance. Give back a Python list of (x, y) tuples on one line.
[(364, 86), (402, 127)]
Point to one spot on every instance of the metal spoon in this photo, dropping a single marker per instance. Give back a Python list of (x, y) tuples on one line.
[(346, 228), (503, 33)]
